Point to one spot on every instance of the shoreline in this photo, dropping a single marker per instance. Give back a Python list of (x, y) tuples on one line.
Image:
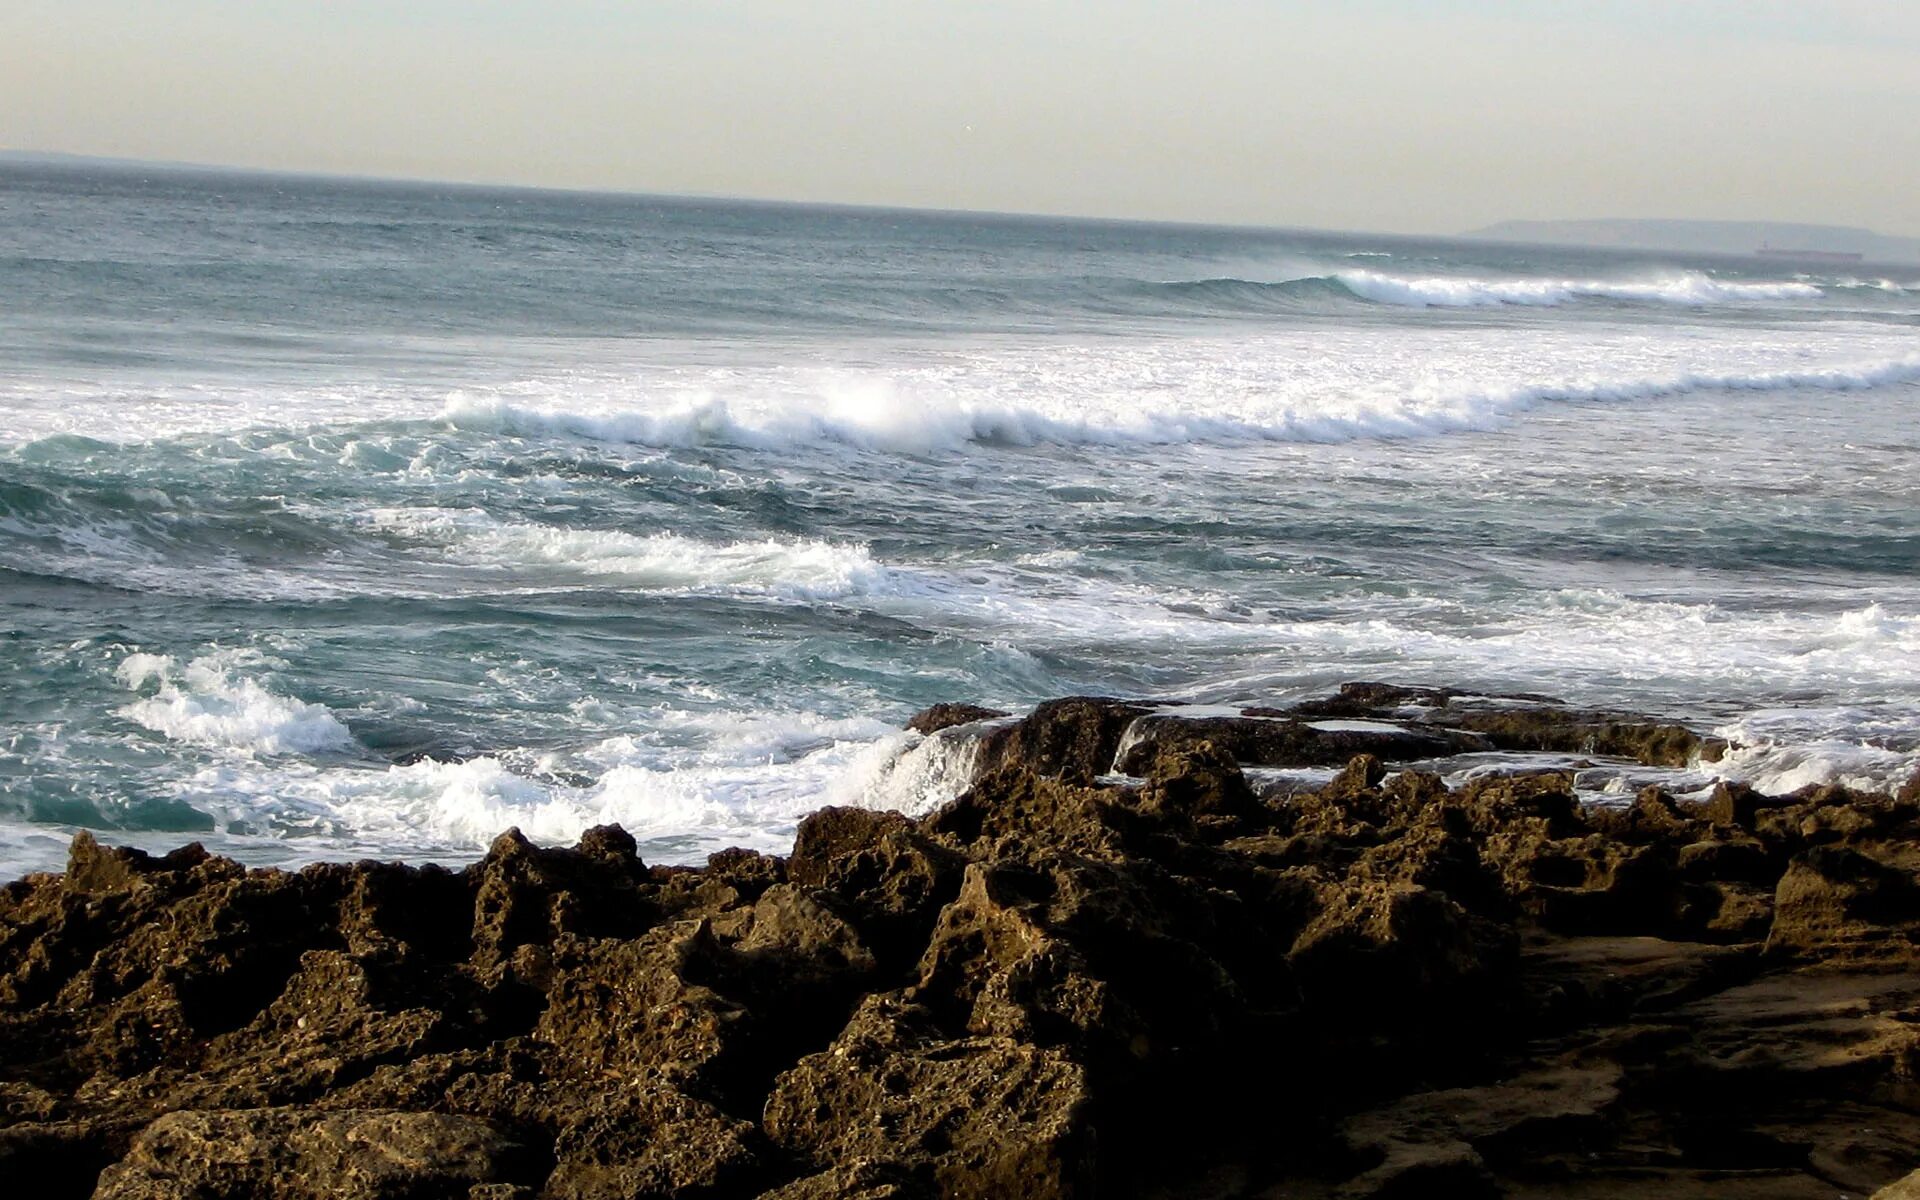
[(1198, 977)]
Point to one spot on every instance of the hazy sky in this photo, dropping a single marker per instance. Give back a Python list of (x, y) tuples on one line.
[(1363, 114)]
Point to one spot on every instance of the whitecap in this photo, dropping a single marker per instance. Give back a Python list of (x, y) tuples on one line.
[(210, 702)]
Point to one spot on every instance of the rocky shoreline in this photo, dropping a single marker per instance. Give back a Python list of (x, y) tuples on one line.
[(1135, 958)]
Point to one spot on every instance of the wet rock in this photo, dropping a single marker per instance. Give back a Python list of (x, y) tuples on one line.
[(946, 716), (1540, 728), (1366, 699), (1272, 741), (1074, 739)]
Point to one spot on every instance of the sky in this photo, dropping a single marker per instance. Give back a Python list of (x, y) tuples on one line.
[(1414, 116)]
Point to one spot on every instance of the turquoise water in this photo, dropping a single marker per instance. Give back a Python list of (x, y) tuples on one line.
[(344, 519)]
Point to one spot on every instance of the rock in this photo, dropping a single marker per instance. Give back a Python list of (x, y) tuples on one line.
[(860, 1180), (62, 1158), (1059, 982), (946, 716), (984, 1117), (1074, 739), (650, 1140), (292, 1154), (524, 894), (1273, 741), (1360, 700), (892, 877), (1539, 728), (1832, 899), (634, 1008), (1373, 945)]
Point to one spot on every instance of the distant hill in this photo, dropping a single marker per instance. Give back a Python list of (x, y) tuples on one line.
[(1707, 237)]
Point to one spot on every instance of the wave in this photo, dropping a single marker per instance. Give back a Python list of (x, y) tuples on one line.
[(695, 783), (1691, 289), (907, 424), (808, 569), (208, 702)]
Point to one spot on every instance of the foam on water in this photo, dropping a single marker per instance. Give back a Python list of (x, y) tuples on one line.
[(694, 784), (1690, 288), (1614, 644), (797, 568), (1181, 396), (210, 702)]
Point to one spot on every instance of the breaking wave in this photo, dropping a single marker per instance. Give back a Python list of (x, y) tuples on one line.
[(905, 422), (209, 702), (1689, 288), (799, 568), (1692, 289)]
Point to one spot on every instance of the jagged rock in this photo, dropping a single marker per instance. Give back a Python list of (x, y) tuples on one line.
[(292, 1154), (946, 716), (984, 1117), (1372, 945), (1074, 739), (893, 878), (650, 1140), (1282, 741), (1835, 899), (635, 1009), (1160, 985), (525, 894), (861, 1180)]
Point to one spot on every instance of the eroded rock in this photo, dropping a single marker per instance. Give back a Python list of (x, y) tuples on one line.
[(1065, 982)]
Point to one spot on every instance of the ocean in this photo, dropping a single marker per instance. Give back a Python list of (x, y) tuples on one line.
[(350, 519)]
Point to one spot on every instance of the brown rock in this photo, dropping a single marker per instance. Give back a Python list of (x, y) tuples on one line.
[(946, 716), (634, 1009), (984, 1117), (1834, 899), (892, 877), (650, 1140), (292, 1154), (1074, 739)]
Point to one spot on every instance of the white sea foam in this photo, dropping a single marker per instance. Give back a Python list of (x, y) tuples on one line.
[(691, 784), (909, 773), (210, 702), (1127, 398), (1320, 384), (798, 568), (1638, 649), (1689, 288)]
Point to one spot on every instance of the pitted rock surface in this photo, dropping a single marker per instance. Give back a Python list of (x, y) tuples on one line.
[(1065, 983)]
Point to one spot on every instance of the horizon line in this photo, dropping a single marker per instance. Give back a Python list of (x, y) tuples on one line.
[(55, 157)]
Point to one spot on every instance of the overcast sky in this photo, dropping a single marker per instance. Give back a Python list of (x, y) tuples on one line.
[(1396, 115)]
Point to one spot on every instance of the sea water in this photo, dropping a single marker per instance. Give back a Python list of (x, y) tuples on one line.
[(344, 519)]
